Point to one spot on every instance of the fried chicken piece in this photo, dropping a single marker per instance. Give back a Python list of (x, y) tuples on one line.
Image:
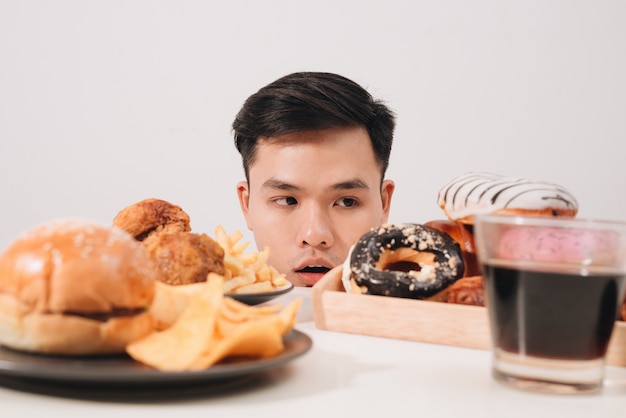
[(184, 257), (152, 216), (467, 291)]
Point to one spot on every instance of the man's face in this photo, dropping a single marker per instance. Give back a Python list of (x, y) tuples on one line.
[(311, 195)]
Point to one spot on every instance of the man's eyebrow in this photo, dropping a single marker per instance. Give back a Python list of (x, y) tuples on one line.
[(344, 185), (350, 185), (278, 184)]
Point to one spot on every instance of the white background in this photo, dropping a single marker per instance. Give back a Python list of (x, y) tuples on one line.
[(105, 103)]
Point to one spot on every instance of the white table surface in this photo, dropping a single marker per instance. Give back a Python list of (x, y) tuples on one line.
[(342, 375)]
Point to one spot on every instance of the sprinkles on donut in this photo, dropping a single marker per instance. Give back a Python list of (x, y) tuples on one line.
[(405, 260)]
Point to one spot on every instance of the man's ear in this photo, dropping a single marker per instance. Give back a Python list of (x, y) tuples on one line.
[(386, 193), (243, 193)]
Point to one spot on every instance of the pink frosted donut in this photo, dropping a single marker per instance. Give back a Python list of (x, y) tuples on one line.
[(556, 244)]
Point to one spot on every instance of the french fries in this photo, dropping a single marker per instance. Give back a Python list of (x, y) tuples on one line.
[(246, 272), (212, 327)]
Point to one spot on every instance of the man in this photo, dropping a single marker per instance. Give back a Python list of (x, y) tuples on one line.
[(315, 148)]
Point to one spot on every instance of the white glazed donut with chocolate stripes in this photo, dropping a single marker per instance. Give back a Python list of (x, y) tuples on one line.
[(475, 193)]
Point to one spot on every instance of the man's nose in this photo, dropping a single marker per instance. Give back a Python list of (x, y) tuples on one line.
[(316, 229)]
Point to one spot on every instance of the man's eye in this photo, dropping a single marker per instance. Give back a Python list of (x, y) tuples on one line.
[(347, 202), (286, 201)]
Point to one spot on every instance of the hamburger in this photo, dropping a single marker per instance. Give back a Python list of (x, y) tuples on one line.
[(75, 287)]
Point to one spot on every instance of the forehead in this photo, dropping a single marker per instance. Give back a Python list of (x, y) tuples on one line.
[(327, 155)]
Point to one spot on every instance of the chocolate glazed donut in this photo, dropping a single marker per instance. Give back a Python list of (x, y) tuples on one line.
[(405, 260)]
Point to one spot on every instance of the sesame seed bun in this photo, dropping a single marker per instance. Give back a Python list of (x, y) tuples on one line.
[(75, 287)]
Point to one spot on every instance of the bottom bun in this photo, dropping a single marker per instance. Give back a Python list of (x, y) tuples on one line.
[(71, 335)]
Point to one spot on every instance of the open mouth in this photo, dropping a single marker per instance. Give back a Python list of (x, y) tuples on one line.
[(314, 269)]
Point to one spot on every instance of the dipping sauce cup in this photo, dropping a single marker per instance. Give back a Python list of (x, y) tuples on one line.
[(553, 291)]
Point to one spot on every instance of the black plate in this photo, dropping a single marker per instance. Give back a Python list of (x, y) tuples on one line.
[(258, 298), (123, 370)]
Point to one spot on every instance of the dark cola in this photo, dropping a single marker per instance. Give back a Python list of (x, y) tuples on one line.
[(552, 315)]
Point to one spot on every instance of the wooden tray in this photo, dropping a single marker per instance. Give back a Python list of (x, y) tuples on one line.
[(415, 320)]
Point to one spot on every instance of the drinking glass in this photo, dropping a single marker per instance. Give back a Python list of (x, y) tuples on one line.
[(554, 287)]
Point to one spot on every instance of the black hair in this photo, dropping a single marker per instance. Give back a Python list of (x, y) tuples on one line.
[(312, 101)]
